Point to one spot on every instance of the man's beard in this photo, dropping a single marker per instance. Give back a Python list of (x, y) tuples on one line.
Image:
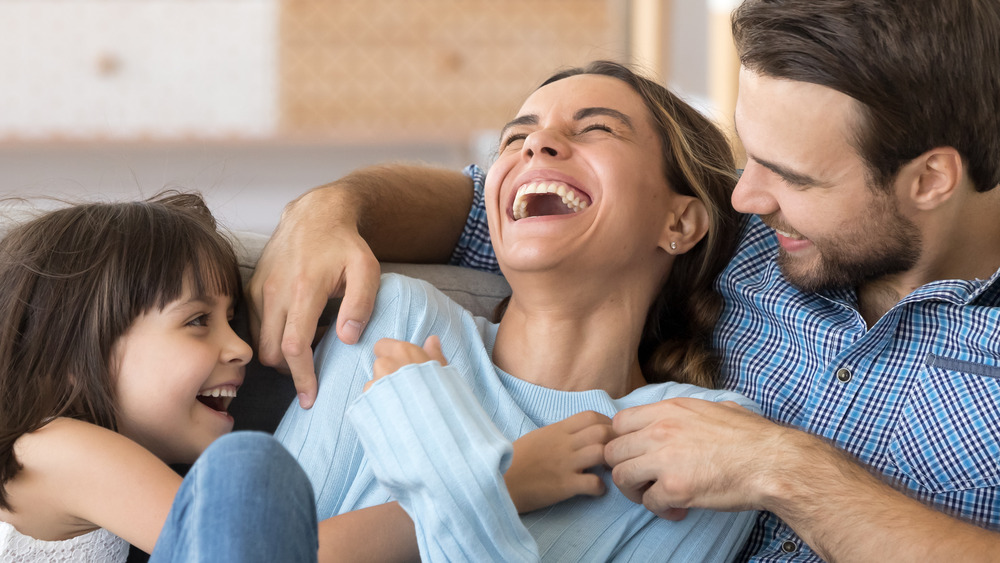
[(881, 243)]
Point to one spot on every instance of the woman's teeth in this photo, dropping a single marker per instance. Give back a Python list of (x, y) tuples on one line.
[(569, 197)]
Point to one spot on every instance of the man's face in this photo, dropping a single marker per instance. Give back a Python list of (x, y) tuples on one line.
[(807, 182)]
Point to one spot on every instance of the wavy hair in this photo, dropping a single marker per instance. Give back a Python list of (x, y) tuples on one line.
[(698, 161)]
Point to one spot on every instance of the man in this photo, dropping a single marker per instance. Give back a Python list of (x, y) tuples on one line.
[(862, 306)]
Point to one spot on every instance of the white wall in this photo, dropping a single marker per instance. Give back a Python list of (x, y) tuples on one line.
[(122, 69), (142, 75), (246, 184)]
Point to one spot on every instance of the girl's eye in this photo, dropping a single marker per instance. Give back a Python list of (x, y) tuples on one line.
[(200, 320)]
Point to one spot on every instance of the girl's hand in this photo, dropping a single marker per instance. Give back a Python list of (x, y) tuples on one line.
[(390, 355), (549, 464)]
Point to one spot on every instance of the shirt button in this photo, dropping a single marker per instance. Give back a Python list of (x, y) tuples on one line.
[(844, 375), (789, 546)]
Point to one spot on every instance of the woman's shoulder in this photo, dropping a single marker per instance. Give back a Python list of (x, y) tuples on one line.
[(399, 293), (670, 390)]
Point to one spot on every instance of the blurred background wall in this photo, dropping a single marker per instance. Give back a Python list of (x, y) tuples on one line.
[(253, 102)]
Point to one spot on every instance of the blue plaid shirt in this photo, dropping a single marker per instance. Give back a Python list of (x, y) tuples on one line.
[(917, 396)]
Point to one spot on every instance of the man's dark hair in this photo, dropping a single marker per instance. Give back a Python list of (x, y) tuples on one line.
[(925, 73)]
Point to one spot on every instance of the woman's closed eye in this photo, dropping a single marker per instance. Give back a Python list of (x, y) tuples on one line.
[(597, 127), (512, 138)]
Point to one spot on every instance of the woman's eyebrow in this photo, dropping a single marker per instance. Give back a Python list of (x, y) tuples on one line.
[(613, 113), (530, 119)]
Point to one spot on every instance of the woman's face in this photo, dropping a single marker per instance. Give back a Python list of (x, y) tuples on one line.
[(578, 180)]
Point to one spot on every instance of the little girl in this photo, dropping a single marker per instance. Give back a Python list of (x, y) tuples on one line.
[(116, 358)]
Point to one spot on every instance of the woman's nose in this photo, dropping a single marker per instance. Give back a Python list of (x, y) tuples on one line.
[(545, 142)]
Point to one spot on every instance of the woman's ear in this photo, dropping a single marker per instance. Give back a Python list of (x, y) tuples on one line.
[(686, 225)]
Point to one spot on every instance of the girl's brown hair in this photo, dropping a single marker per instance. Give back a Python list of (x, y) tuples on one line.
[(697, 161), (72, 282)]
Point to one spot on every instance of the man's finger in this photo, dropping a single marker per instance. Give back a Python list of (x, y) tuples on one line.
[(623, 448), (627, 478), (362, 281), (637, 418), (296, 347)]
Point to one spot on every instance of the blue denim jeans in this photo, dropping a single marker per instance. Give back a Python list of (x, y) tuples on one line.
[(245, 500)]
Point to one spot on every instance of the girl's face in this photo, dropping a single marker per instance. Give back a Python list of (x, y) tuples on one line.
[(579, 177), (177, 371)]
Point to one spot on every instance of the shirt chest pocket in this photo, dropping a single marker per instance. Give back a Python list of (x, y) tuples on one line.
[(948, 436)]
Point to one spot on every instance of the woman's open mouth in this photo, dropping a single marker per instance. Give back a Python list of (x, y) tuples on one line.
[(539, 199)]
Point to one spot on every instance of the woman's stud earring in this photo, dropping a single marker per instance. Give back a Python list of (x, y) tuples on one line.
[(673, 245)]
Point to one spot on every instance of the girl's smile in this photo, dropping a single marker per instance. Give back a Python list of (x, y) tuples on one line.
[(179, 368)]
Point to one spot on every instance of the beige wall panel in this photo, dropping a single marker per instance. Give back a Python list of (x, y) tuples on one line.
[(405, 69)]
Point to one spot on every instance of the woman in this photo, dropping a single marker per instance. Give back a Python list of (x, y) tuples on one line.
[(608, 210)]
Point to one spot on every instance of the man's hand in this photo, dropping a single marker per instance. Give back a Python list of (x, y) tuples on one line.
[(315, 254), (684, 452), (326, 246), (550, 464)]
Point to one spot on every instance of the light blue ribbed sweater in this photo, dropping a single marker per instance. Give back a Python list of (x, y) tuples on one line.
[(438, 439)]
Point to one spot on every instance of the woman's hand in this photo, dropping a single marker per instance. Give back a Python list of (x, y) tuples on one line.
[(390, 355), (549, 464)]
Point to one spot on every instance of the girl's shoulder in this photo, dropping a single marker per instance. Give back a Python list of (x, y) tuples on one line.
[(78, 477), (47, 456)]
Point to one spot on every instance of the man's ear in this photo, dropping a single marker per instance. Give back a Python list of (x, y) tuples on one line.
[(686, 225), (932, 178)]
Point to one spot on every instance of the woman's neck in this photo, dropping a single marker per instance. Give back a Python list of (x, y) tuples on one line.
[(564, 339)]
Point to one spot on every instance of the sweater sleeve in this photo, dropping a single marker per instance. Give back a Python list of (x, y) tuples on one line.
[(435, 449)]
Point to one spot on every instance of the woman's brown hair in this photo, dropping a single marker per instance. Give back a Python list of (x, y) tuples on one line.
[(72, 282), (698, 161)]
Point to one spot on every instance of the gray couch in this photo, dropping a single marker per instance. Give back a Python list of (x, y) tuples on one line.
[(266, 394)]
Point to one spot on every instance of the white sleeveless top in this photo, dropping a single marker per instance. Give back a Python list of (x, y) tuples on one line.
[(98, 546)]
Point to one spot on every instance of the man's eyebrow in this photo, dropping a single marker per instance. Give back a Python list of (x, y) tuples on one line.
[(790, 176), (530, 119), (589, 112)]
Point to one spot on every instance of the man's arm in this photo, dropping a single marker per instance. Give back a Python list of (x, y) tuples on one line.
[(328, 243), (687, 453)]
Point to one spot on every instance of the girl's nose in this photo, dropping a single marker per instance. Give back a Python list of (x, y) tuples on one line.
[(236, 350)]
